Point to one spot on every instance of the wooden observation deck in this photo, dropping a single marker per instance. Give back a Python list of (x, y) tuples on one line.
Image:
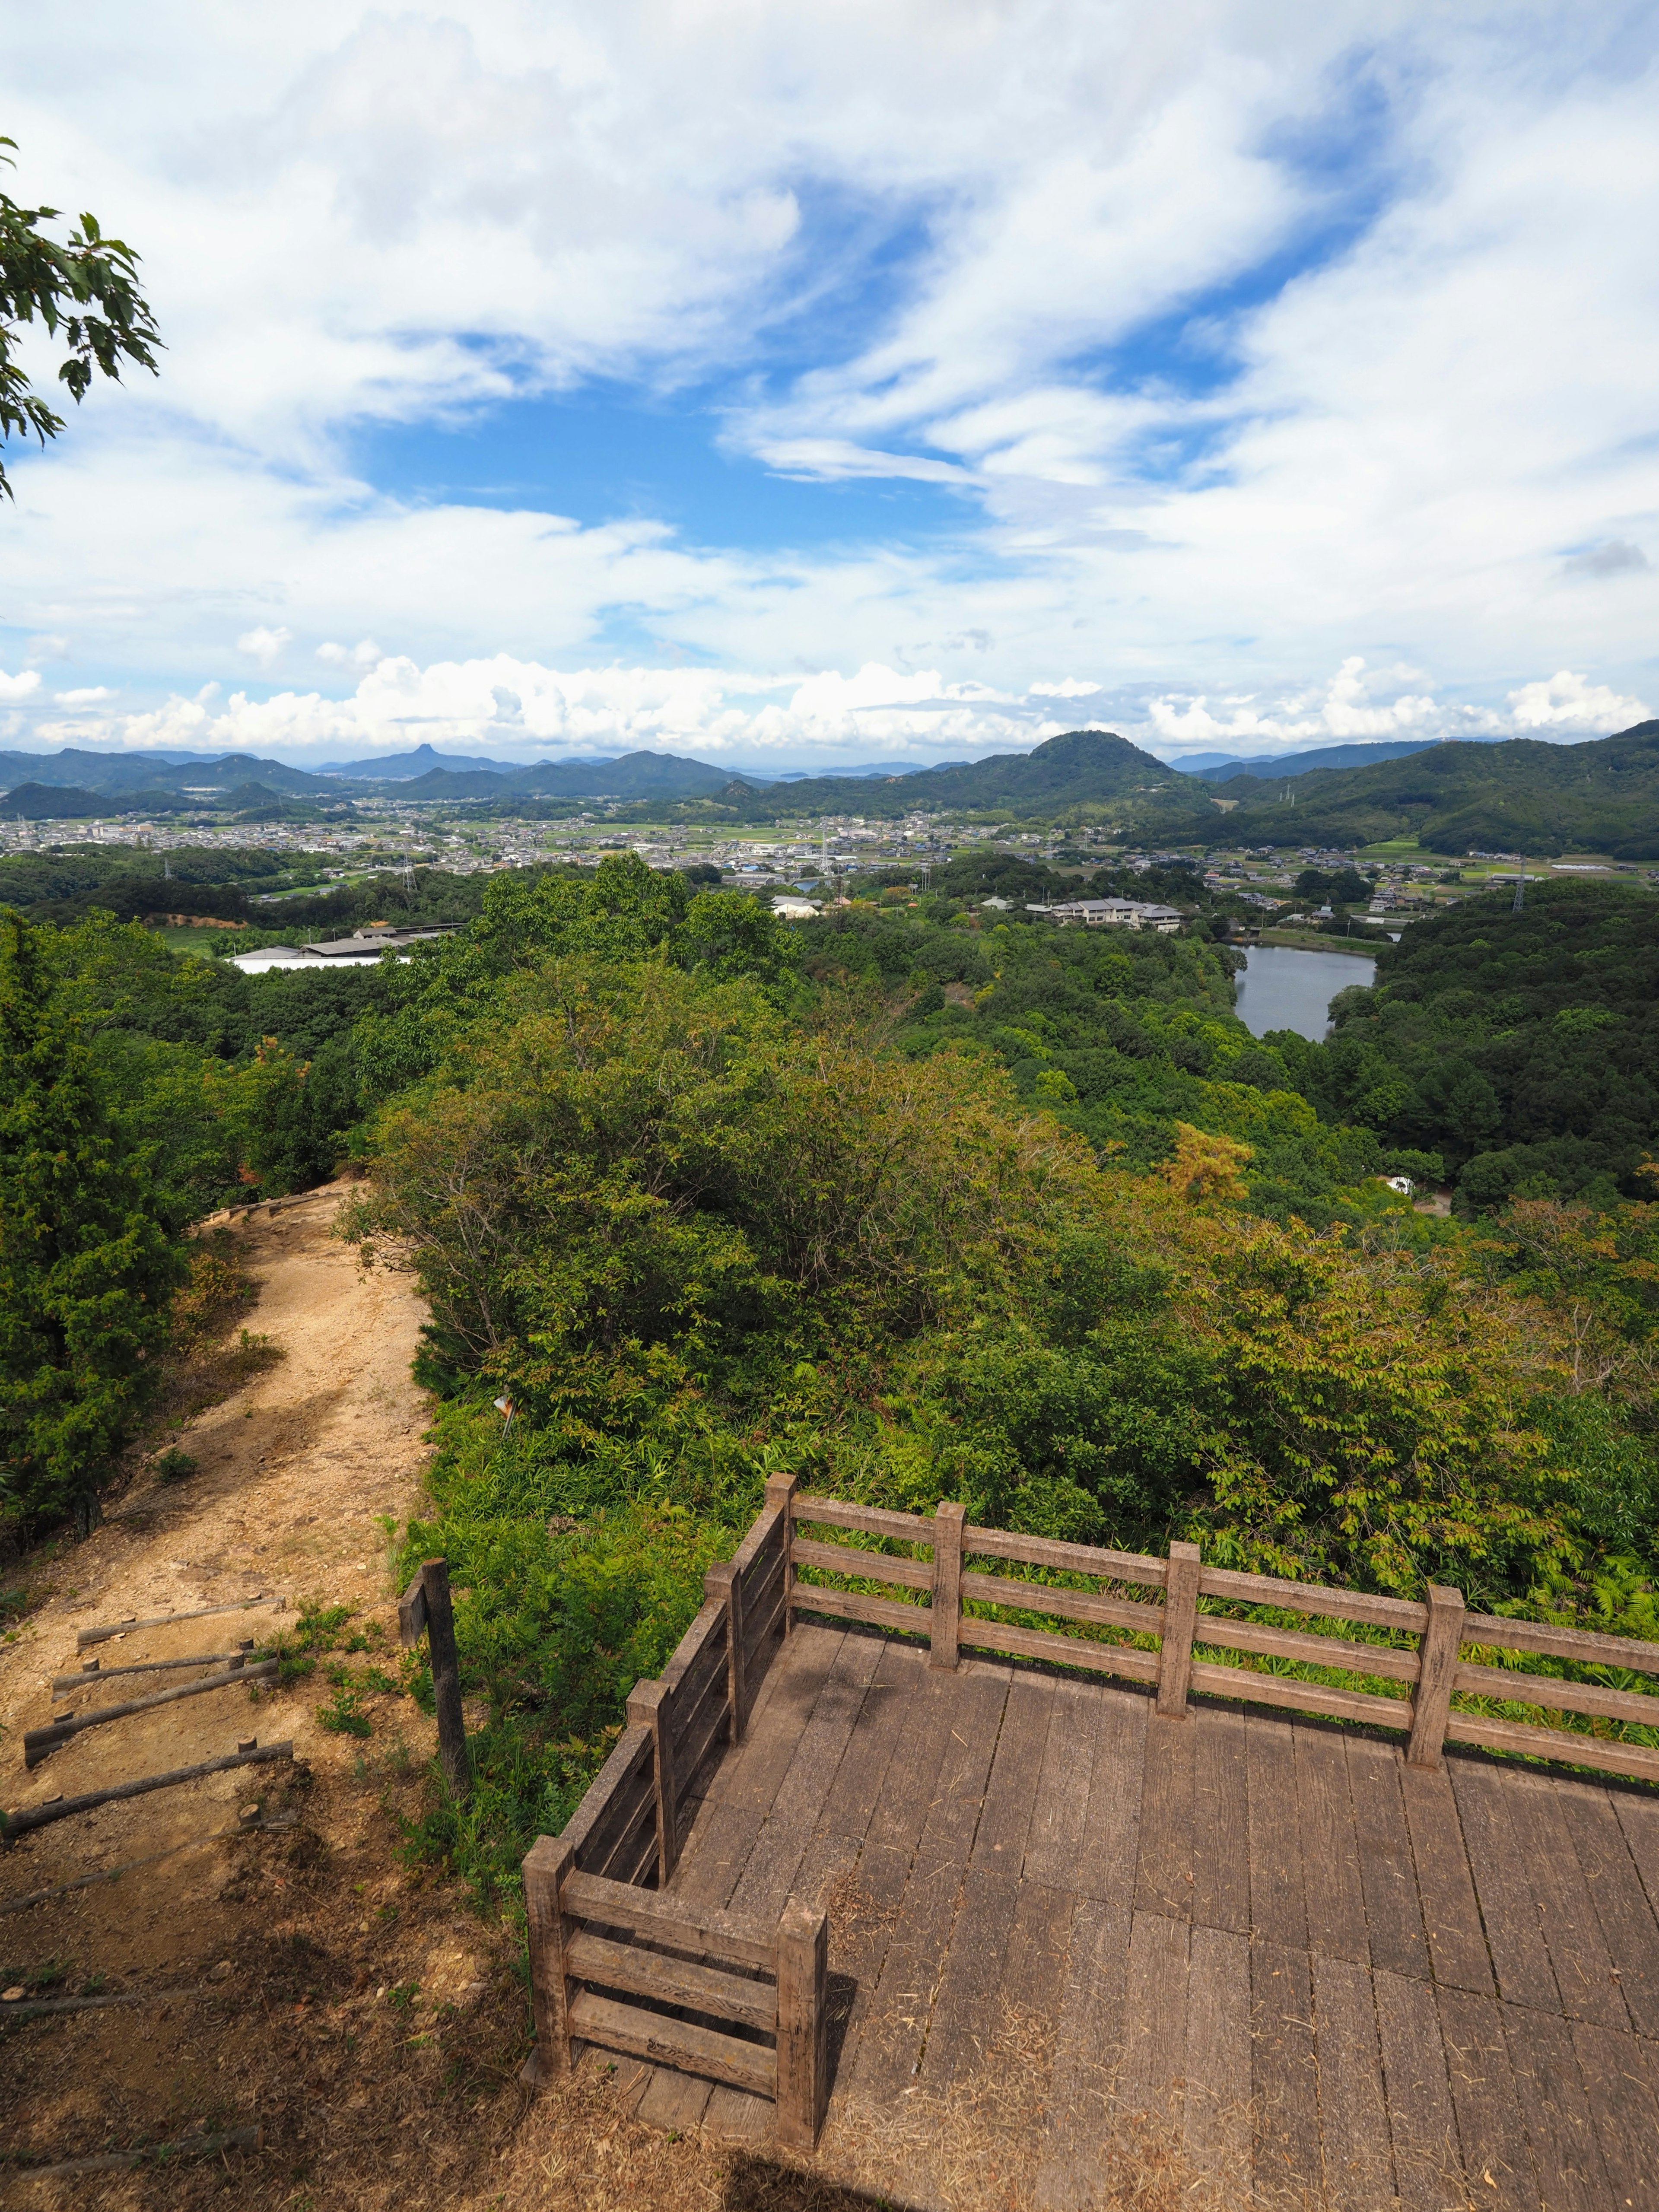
[(1073, 1921)]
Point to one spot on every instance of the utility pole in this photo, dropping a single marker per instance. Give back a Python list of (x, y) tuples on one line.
[(1520, 887)]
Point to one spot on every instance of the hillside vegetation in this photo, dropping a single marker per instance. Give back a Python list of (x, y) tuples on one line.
[(914, 1202)]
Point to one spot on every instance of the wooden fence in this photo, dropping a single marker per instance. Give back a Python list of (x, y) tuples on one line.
[(615, 1963)]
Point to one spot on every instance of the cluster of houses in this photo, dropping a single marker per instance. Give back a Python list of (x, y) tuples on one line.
[(1112, 914)]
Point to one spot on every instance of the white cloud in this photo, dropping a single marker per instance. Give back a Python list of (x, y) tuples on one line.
[(90, 696), (1565, 700), (264, 645), (19, 686), (1016, 253)]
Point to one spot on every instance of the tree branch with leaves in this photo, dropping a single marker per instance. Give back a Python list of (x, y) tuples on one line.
[(83, 292)]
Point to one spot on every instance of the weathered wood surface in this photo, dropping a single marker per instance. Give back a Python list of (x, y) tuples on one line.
[(1322, 1968), (85, 1638), (37, 1743)]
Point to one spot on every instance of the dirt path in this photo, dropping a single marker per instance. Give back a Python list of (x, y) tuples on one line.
[(300, 1469)]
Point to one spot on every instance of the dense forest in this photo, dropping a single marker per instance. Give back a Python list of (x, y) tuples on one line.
[(916, 1200)]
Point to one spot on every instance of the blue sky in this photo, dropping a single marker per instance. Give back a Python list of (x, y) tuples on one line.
[(801, 387)]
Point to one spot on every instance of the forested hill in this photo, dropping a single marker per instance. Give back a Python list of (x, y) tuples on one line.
[(1524, 1047), (1520, 796)]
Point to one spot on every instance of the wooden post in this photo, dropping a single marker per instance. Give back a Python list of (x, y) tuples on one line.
[(1175, 1664), (1437, 1656), (780, 1491), (425, 1605), (944, 1622), (547, 1862), (802, 1966), (650, 1705), (725, 1584)]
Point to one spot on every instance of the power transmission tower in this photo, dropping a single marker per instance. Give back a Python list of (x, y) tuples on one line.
[(1520, 886)]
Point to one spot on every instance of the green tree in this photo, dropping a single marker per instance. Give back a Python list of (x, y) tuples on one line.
[(84, 293), (86, 1269)]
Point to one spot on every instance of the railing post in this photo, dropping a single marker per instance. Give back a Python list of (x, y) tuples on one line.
[(944, 1622), (725, 1585), (547, 1862), (1437, 1674), (1174, 1663), (802, 1968), (425, 1605), (649, 1706), (780, 1491)]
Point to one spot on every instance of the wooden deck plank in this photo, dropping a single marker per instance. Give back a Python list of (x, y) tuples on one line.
[(1579, 1953), (672, 2101), (894, 2028), (1638, 1816), (763, 1887), (1445, 1888), (1034, 1969), (1615, 1883), (1619, 2086), (1106, 1863), (1497, 2160), (1164, 1864), (885, 1862), (1060, 1814), (1221, 1831), (1427, 2169), (1216, 2115), (1555, 2110), (1283, 2071), (1334, 1895), (1152, 2064), (1394, 1912), (1016, 1771), (1087, 2041), (1278, 1913), (737, 2116), (831, 1858), (1515, 1939), (1353, 2123), (966, 2016), (719, 1843)]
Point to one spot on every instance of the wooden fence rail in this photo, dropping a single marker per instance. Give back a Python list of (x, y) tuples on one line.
[(617, 1962), (1176, 1612)]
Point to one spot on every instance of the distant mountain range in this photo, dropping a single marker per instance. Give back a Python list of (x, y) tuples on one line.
[(1271, 764), (1519, 794)]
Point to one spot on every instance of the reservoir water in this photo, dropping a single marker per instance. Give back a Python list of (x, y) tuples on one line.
[(1283, 989)]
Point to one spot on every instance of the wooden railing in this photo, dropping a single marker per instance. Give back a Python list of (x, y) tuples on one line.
[(615, 1962), (1175, 1613)]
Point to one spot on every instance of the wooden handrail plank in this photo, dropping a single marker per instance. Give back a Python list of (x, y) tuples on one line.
[(663, 2042), (1314, 1598), (1072, 1558), (874, 1566), (639, 1973), (1549, 1691), (631, 1753), (767, 1525), (668, 1919), (1384, 1659), (1299, 1696), (1607, 1758), (1068, 1604), (1581, 1644), (693, 1749), (1063, 1651), (854, 1605), (755, 1630), (708, 1627), (872, 1520)]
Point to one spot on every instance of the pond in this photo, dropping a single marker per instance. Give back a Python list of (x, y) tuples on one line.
[(1283, 989)]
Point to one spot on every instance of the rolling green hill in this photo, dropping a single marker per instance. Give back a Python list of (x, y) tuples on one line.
[(1520, 796)]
